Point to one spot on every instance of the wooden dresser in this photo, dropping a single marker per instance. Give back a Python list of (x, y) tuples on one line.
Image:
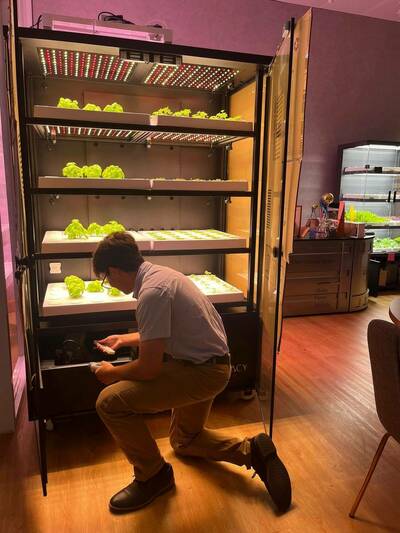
[(327, 276)]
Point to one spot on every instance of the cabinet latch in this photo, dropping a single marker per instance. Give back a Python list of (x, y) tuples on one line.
[(22, 264)]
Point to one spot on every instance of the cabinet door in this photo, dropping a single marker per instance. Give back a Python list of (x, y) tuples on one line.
[(285, 104)]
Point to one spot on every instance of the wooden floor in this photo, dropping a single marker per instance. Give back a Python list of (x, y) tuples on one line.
[(326, 431)]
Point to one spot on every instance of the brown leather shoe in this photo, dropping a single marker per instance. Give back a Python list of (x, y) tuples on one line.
[(271, 470), (140, 493)]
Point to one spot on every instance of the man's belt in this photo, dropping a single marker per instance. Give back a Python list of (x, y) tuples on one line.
[(216, 360)]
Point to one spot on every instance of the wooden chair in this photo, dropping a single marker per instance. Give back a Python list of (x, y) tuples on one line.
[(384, 353)]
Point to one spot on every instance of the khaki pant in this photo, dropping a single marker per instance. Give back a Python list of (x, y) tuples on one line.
[(189, 391)]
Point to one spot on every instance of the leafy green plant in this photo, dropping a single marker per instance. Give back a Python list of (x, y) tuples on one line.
[(222, 115), (75, 286), (92, 171), (94, 286), (352, 215), (387, 244), (72, 170), (166, 111), (91, 107), (112, 226), (67, 103), (114, 108), (200, 114), (183, 113), (95, 230), (113, 172), (75, 230), (113, 291)]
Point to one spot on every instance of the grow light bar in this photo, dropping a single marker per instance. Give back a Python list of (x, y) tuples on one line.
[(107, 28), (201, 138), (85, 65), (134, 136), (104, 133), (190, 76)]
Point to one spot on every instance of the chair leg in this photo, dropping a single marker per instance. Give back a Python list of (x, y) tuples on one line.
[(371, 470)]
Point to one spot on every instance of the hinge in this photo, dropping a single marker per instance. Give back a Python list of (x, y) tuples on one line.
[(22, 264)]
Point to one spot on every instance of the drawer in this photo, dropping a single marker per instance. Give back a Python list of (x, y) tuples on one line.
[(315, 304), (322, 246), (310, 305), (296, 287)]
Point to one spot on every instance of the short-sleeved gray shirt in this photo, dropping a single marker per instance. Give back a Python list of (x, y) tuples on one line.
[(171, 307)]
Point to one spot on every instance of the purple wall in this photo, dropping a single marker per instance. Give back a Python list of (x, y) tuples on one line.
[(354, 84), (254, 27), (353, 93)]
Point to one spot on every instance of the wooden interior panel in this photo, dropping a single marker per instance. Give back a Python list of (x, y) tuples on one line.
[(240, 163)]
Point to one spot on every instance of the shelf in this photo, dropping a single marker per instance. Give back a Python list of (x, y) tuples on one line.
[(377, 252), (148, 253), (58, 302), (142, 186), (65, 114), (200, 185), (383, 198), (347, 171), (382, 226), (200, 123), (193, 239), (55, 242), (56, 183), (54, 128)]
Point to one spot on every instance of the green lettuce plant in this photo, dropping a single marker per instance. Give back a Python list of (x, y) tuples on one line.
[(75, 230), (67, 103), (72, 170), (114, 108), (75, 286), (113, 172)]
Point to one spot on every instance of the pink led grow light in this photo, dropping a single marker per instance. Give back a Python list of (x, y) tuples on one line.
[(190, 76), (84, 65)]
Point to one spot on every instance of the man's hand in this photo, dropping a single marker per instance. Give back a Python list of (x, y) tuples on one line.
[(113, 341), (106, 373)]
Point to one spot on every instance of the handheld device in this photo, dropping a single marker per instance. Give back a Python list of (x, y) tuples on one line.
[(104, 349)]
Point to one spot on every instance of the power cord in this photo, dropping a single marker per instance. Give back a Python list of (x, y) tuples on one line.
[(36, 25), (112, 17)]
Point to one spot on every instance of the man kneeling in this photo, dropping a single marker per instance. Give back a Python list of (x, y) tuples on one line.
[(183, 364)]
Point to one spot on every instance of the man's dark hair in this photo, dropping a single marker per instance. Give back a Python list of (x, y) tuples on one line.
[(117, 250)]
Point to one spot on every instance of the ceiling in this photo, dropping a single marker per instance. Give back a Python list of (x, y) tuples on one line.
[(382, 9)]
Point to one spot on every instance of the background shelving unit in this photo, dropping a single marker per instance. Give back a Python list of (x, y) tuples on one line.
[(370, 181)]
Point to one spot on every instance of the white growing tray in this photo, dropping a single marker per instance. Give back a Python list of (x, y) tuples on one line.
[(234, 295), (58, 302), (58, 182), (195, 244), (204, 185), (55, 182), (57, 242), (45, 111), (201, 123)]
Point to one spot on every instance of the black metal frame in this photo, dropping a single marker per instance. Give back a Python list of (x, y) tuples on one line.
[(39, 323)]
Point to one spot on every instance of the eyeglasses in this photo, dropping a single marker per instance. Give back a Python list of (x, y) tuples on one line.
[(105, 283)]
